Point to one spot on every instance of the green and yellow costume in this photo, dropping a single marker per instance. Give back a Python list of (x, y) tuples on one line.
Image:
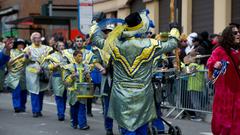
[(71, 83), (56, 80), (16, 70), (34, 67), (88, 58), (131, 102)]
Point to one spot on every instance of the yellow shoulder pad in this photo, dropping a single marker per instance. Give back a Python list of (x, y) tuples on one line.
[(155, 42)]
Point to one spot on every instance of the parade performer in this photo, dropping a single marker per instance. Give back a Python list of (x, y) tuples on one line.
[(15, 79), (34, 70), (106, 69), (87, 54), (74, 73), (5, 52), (160, 62), (226, 108), (55, 63), (5, 48), (131, 101)]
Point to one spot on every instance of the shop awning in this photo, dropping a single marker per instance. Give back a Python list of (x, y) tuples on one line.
[(9, 10), (43, 20)]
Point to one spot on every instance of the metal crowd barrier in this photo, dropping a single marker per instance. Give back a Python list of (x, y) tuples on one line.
[(184, 92)]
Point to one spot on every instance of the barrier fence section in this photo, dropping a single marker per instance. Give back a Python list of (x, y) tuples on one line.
[(184, 92)]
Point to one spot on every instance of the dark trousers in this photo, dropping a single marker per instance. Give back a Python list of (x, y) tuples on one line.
[(61, 104), (19, 98), (158, 123), (90, 100), (78, 115), (140, 131), (108, 122), (37, 102)]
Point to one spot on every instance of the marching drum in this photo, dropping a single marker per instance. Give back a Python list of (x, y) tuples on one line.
[(84, 90)]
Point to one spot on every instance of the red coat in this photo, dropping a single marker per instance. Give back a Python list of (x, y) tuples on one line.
[(226, 104)]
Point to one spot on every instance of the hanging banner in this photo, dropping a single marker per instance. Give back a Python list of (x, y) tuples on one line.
[(85, 15)]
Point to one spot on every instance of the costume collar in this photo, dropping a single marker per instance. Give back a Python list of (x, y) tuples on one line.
[(35, 46)]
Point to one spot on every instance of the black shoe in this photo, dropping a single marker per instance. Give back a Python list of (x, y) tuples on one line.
[(39, 114), (22, 110), (74, 126), (35, 115), (109, 132), (61, 119), (90, 115), (85, 128), (17, 110)]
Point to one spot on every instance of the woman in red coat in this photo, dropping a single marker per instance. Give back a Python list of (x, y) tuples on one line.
[(226, 104)]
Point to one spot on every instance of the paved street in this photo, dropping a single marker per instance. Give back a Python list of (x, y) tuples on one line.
[(24, 124)]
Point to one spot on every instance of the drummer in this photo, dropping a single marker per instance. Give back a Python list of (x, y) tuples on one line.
[(71, 76)]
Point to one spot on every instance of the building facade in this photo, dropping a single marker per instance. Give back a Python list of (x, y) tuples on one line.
[(193, 15), (15, 9)]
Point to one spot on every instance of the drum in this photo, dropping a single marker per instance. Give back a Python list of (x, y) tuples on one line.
[(85, 90)]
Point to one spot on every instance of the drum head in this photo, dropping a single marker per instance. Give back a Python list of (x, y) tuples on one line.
[(85, 90)]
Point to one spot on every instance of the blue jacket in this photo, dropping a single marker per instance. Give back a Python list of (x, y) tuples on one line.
[(96, 76), (3, 59)]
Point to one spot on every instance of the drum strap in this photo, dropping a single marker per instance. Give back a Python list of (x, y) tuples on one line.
[(75, 67)]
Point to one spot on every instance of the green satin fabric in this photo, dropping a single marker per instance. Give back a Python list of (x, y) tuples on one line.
[(132, 98), (14, 78), (33, 79), (57, 82)]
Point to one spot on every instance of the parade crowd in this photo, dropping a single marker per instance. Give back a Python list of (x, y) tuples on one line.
[(118, 62)]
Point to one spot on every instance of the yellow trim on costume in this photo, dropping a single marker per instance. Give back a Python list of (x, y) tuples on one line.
[(157, 58), (32, 70), (84, 96), (105, 56), (53, 59), (36, 46), (68, 55), (88, 58), (51, 67), (145, 56), (140, 25), (71, 89), (111, 47), (129, 85), (69, 79)]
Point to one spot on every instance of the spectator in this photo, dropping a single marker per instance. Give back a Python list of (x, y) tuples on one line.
[(226, 107), (183, 45), (214, 39), (52, 42), (190, 45), (69, 44), (5, 53), (7, 44), (205, 46)]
